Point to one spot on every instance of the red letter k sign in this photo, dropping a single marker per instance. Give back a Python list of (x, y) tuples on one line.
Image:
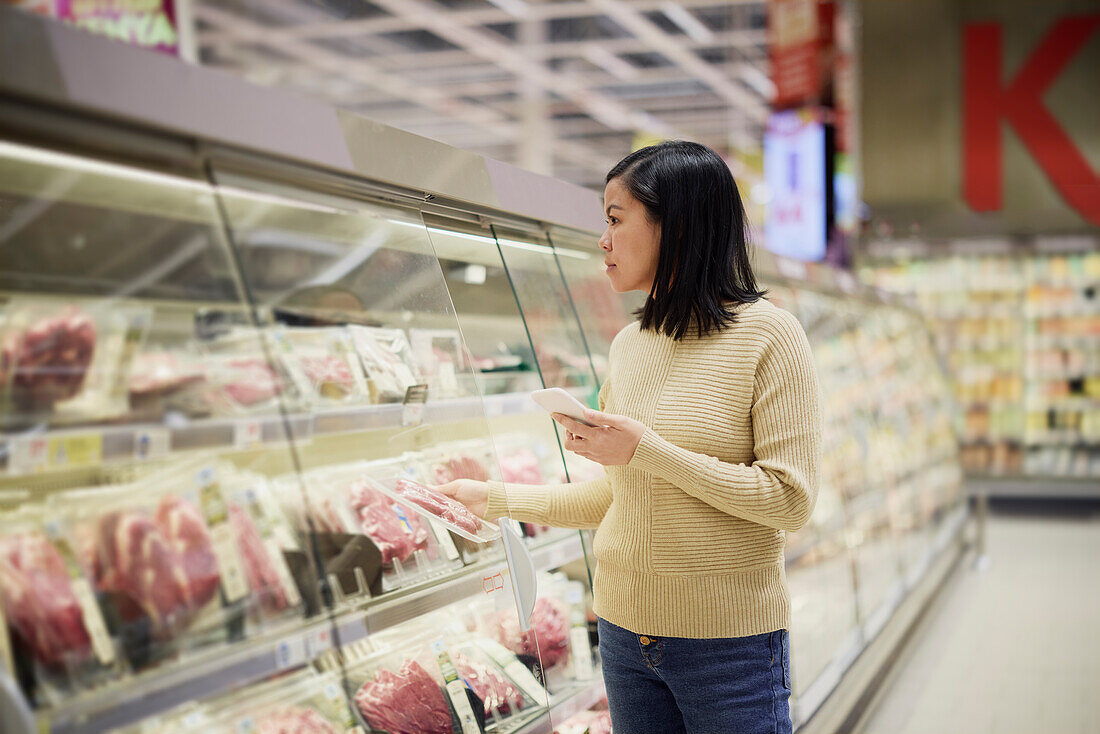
[(986, 100)]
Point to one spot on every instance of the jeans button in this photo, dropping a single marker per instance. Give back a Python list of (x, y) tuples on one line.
[(644, 640)]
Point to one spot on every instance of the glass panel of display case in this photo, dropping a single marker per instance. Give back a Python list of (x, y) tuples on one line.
[(137, 394), (824, 623), (602, 311), (350, 285), (548, 310)]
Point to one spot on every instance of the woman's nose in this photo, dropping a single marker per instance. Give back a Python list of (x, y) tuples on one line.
[(605, 242)]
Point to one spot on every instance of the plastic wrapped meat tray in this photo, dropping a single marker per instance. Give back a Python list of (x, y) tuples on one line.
[(407, 702), (433, 505)]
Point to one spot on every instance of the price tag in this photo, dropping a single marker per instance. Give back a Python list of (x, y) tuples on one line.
[(318, 641), (152, 443), (412, 412), (789, 268), (79, 450), (515, 670), (456, 690), (290, 653), (443, 537), (216, 513), (248, 434), (27, 455)]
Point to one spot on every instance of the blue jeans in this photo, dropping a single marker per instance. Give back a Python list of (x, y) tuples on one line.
[(662, 685)]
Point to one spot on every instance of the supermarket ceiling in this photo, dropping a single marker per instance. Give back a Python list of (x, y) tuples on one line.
[(563, 87)]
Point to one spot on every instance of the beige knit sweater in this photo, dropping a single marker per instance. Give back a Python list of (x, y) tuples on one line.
[(691, 532)]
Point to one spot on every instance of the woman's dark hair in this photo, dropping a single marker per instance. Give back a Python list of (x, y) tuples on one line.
[(703, 268)]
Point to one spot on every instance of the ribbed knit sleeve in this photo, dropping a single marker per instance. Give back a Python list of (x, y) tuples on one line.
[(779, 488), (579, 505)]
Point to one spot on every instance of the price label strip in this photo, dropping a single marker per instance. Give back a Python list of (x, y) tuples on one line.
[(456, 690), (94, 623), (216, 513)]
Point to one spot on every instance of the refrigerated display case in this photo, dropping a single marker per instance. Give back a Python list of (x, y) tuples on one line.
[(243, 336), (1018, 331)]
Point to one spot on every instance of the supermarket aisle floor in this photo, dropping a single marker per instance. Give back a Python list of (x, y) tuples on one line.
[(1011, 650)]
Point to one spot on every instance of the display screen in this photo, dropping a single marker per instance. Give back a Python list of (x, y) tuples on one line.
[(795, 172)]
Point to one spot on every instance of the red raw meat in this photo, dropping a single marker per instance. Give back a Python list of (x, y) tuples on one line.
[(160, 372), (295, 720), (378, 517), (185, 530), (548, 635), (328, 373), (38, 599), (409, 702), (49, 360), (167, 567), (494, 690), (521, 467), (259, 567), (254, 381), (439, 505)]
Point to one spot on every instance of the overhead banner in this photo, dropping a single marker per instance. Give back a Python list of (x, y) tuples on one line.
[(800, 36), (147, 23)]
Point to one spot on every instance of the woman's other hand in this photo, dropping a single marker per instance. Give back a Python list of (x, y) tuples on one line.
[(470, 492), (610, 441)]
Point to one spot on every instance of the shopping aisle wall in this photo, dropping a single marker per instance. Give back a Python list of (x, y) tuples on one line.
[(1010, 649)]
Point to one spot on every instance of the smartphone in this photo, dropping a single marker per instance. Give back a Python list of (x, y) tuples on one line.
[(556, 400)]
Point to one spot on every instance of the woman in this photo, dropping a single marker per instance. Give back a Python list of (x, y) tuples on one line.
[(709, 427)]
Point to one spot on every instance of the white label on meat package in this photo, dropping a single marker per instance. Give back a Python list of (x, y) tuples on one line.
[(456, 690), (234, 583), (443, 537), (6, 662), (102, 646), (286, 581), (583, 668)]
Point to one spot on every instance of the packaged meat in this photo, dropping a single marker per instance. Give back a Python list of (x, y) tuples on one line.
[(407, 702), (432, 504), (262, 533), (547, 638), (520, 465), (388, 360), (163, 372), (38, 598), (301, 703), (461, 466), (69, 362), (397, 532), (323, 364), (496, 691), (49, 357), (241, 379)]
